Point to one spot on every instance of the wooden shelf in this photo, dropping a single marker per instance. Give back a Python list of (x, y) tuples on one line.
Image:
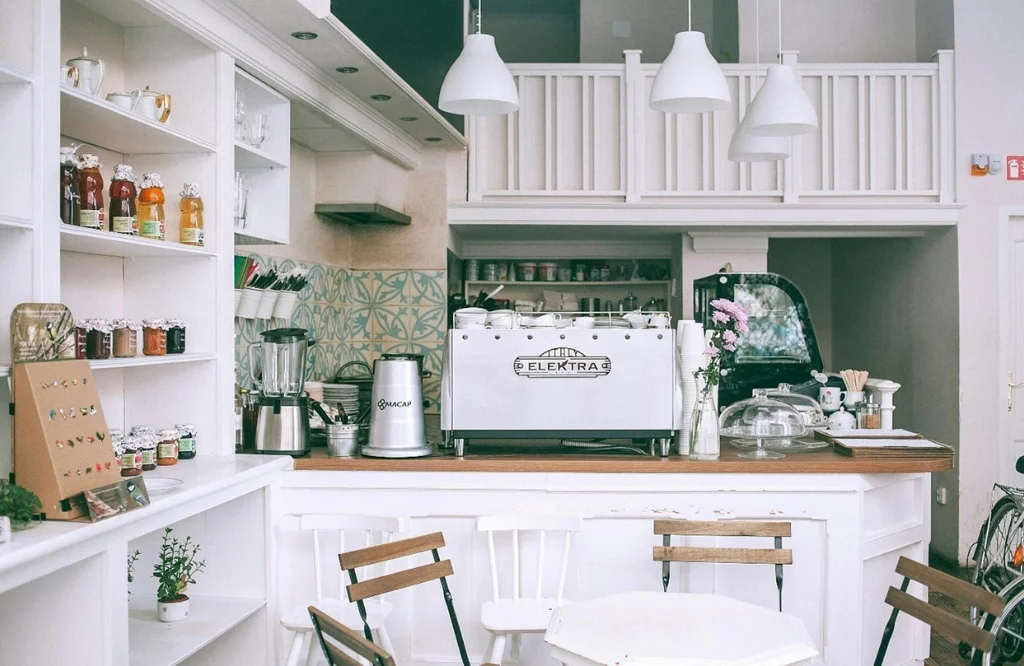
[(91, 241), (9, 74), (578, 285), (8, 222), (249, 157), (94, 121), (155, 643)]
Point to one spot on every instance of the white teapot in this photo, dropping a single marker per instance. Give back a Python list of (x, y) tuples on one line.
[(153, 105), (842, 420), (87, 73)]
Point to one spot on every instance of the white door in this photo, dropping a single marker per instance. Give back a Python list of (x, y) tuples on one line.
[(1012, 378)]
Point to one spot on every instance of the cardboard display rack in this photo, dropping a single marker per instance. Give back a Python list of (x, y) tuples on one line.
[(62, 443)]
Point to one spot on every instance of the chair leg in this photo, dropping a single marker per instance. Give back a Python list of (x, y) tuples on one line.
[(295, 651), (313, 652), (498, 649), (883, 647), (517, 646)]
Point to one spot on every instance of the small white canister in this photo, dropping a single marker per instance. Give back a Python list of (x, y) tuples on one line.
[(5, 529)]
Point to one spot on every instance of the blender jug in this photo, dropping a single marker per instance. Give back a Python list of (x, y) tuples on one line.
[(283, 361)]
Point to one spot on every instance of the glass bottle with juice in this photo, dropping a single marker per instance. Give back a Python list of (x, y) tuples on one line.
[(152, 222), (70, 198), (191, 228), (123, 214), (91, 213)]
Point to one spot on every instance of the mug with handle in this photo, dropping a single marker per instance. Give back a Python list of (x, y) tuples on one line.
[(831, 398)]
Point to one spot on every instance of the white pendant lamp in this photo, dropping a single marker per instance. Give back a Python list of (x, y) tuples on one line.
[(781, 107), (478, 82), (747, 147), (690, 80)]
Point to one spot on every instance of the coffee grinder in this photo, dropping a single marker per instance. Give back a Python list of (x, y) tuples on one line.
[(282, 424)]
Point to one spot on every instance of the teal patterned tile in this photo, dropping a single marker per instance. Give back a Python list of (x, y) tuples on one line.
[(389, 287), (427, 288), (357, 351), (359, 287), (428, 323), (357, 324), (390, 322)]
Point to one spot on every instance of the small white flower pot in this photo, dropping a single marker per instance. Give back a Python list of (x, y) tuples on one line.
[(172, 611)]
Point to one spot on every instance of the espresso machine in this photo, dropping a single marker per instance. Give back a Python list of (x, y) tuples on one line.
[(282, 423)]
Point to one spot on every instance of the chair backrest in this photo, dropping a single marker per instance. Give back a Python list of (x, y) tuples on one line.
[(324, 624), (941, 621), (517, 525), (778, 555), (358, 591), (329, 529)]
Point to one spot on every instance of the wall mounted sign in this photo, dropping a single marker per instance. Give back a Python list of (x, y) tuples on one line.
[(1015, 167)]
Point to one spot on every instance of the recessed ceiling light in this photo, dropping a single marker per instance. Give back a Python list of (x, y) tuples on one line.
[(346, 70), (380, 98), (304, 35), (408, 119), (433, 139)]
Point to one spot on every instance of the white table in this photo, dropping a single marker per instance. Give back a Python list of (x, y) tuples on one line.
[(670, 629)]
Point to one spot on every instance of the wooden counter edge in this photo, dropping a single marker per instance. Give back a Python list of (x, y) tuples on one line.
[(825, 462)]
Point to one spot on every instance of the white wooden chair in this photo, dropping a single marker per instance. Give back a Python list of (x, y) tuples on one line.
[(375, 530), (513, 615)]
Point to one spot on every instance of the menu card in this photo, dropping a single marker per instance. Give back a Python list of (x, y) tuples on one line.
[(865, 433), (892, 448)]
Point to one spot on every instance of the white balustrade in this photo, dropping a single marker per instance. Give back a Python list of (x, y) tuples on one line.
[(584, 132)]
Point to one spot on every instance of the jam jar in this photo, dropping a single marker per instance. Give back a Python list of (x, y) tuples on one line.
[(167, 447), (126, 338), (187, 441), (138, 430), (175, 336), (147, 447), (82, 328), (154, 337), (99, 342), (131, 457)]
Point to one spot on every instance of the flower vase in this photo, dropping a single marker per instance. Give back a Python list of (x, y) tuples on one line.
[(704, 440)]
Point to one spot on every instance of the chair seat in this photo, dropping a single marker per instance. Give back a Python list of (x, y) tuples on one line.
[(518, 616), (345, 612)]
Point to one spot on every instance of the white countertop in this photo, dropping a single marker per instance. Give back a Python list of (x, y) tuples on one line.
[(206, 482)]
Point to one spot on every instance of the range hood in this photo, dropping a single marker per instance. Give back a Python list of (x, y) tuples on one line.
[(361, 213)]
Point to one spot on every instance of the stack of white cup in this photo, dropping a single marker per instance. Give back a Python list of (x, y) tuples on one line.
[(690, 341)]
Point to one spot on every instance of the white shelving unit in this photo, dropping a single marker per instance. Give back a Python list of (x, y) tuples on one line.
[(90, 241), (266, 167)]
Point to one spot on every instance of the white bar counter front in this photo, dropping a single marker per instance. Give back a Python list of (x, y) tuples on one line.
[(852, 520)]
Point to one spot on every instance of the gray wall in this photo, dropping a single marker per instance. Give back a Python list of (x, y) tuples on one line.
[(934, 27)]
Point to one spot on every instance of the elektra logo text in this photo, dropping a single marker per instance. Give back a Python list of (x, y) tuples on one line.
[(564, 362)]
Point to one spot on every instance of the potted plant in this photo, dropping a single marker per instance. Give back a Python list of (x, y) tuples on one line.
[(174, 570), (132, 559), (20, 505)]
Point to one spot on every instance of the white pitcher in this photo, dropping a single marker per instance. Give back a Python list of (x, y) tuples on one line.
[(153, 105), (90, 73)]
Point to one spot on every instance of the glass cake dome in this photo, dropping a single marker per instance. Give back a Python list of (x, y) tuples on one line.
[(763, 420)]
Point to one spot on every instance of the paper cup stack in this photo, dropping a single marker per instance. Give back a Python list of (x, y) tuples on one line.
[(690, 338)]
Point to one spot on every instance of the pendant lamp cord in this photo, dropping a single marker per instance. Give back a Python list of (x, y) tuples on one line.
[(780, 31), (478, 19), (757, 39), (689, 14)]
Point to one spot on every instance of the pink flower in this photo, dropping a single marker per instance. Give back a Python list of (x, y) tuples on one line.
[(730, 346), (730, 338), (711, 350), (725, 305), (719, 317), (741, 325)]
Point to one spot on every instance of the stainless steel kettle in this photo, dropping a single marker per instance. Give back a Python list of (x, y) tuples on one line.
[(396, 411)]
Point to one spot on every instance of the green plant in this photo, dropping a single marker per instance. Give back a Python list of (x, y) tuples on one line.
[(20, 505), (132, 559), (177, 567)]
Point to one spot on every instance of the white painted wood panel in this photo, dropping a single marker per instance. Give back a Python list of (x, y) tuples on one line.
[(881, 135)]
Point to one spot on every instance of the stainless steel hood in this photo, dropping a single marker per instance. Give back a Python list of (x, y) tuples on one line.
[(361, 213)]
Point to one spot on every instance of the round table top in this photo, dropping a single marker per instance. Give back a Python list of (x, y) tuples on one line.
[(679, 629)]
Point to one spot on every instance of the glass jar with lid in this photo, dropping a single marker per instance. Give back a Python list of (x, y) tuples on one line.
[(131, 457), (762, 420), (142, 430), (123, 215), (869, 415), (167, 447), (82, 328), (175, 336), (152, 220), (91, 213), (147, 448), (191, 230), (70, 198), (154, 337), (186, 441), (126, 338), (99, 342)]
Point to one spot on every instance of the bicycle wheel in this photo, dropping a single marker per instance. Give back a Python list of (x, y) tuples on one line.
[(998, 541), (1009, 628)]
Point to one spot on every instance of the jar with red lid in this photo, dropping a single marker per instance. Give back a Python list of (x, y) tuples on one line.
[(126, 338), (82, 328), (167, 448), (99, 342), (154, 337)]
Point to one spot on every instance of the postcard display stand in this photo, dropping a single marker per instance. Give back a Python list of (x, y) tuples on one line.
[(62, 445)]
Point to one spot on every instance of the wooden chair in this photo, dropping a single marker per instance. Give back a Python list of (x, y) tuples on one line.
[(956, 628), (667, 553), (346, 638), (329, 531), (513, 615), (359, 591)]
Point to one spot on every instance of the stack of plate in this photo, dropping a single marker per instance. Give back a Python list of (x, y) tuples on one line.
[(603, 322), (345, 395)]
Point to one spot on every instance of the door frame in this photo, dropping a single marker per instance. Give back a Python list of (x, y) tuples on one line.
[(1006, 454)]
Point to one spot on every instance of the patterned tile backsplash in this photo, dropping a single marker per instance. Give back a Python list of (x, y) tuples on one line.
[(358, 316)]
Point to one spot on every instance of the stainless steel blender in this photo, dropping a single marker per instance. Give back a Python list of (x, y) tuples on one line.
[(282, 424)]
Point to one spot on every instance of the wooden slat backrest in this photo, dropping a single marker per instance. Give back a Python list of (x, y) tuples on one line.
[(325, 624), (391, 551), (723, 555), (950, 586), (949, 625), (399, 580), (738, 528)]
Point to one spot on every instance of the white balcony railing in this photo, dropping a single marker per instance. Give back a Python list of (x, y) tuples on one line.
[(585, 133)]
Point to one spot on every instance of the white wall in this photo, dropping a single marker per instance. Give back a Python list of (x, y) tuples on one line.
[(746, 253), (653, 25), (988, 102), (934, 26), (832, 30), (807, 262)]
